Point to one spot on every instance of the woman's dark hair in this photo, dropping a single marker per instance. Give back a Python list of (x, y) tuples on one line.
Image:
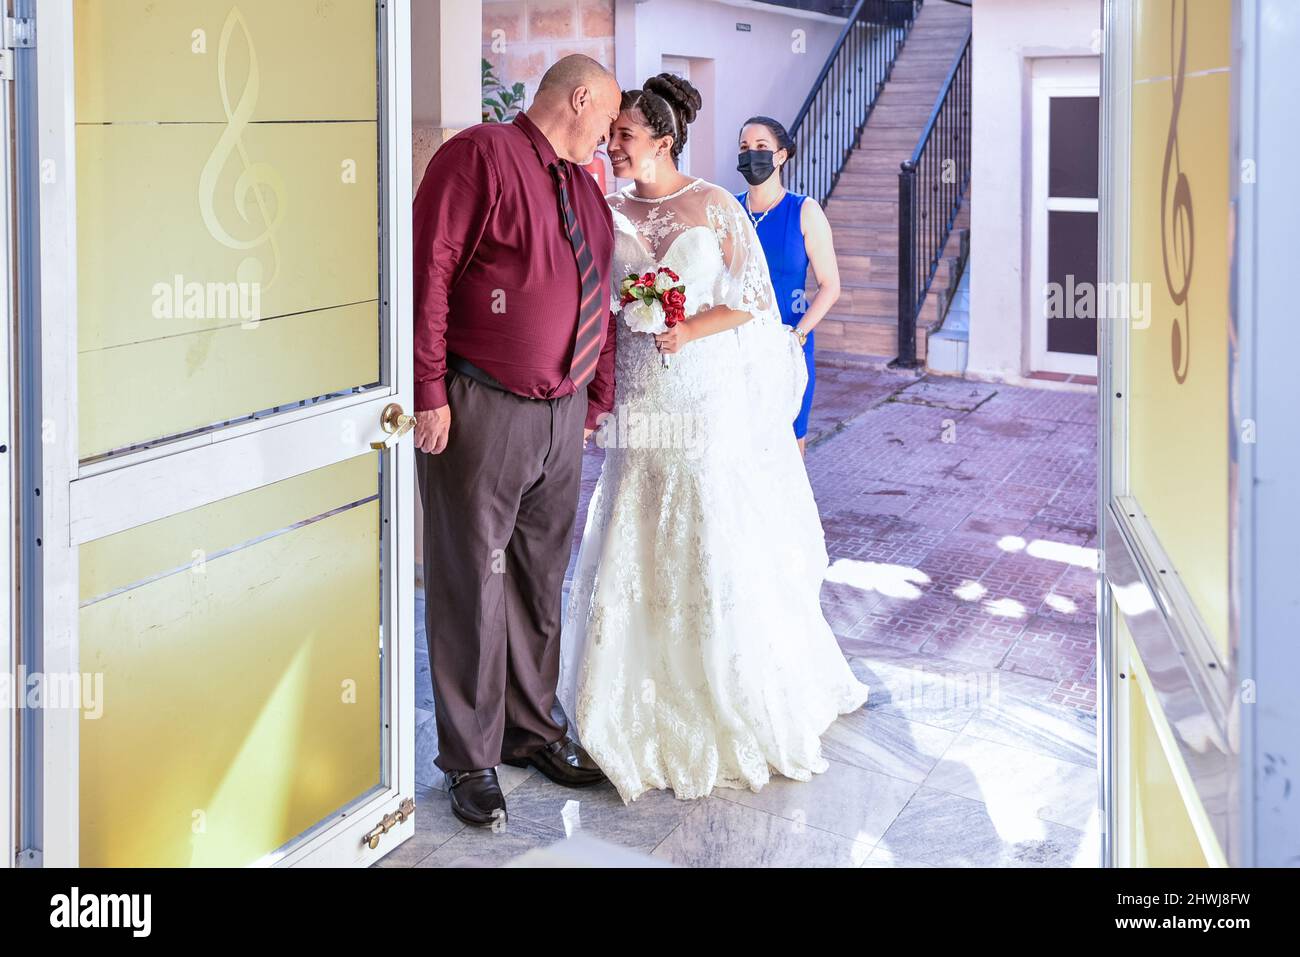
[(669, 104), (784, 141)]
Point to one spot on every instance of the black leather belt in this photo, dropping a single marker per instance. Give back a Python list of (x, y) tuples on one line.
[(465, 367)]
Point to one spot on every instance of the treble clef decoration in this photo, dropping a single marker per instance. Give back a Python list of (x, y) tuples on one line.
[(254, 178), (1176, 232)]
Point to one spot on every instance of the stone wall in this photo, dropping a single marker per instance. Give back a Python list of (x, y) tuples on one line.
[(522, 38)]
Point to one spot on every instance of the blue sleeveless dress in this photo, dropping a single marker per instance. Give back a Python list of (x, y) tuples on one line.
[(781, 234)]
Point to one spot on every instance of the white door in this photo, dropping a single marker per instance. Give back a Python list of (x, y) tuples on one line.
[(225, 314), (1063, 215)]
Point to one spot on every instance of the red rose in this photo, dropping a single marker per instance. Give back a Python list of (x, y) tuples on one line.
[(671, 275), (674, 300), (647, 280)]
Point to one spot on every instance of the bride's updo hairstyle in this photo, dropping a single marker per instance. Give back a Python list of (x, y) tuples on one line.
[(669, 104)]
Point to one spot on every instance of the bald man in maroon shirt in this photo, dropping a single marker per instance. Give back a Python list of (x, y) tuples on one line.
[(513, 367)]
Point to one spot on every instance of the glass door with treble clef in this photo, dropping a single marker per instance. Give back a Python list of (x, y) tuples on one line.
[(227, 509)]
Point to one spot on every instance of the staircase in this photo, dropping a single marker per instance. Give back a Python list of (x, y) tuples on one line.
[(863, 206)]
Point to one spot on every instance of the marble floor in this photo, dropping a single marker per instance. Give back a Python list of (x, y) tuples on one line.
[(960, 522)]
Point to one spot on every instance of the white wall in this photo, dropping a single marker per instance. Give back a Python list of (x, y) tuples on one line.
[(739, 74), (1007, 35), (446, 92)]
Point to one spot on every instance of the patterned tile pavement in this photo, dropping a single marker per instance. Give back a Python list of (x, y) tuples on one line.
[(960, 520)]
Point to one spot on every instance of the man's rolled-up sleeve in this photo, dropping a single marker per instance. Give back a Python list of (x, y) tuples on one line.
[(452, 210)]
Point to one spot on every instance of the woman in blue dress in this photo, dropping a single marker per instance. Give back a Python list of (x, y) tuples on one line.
[(795, 233)]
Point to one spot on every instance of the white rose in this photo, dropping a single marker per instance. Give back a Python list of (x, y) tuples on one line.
[(642, 316), (663, 282)]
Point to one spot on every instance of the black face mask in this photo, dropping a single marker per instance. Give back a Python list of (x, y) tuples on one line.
[(756, 165)]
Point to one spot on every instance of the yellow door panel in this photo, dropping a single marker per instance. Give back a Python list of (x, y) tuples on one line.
[(149, 224), (294, 59), (188, 539), (170, 386), (240, 705), (1178, 390)]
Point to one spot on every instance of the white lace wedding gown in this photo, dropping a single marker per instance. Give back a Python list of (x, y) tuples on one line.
[(694, 653)]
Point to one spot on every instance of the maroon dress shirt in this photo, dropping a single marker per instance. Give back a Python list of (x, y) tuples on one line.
[(496, 281)]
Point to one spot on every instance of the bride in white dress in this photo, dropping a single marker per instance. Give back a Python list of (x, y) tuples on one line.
[(694, 653)]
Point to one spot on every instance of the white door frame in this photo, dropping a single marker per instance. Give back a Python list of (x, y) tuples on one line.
[(1051, 77), (83, 503), (9, 654)]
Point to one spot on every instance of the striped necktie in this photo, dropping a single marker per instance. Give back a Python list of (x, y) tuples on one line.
[(592, 304)]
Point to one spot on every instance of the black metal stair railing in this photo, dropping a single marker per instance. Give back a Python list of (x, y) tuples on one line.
[(829, 125), (931, 186)]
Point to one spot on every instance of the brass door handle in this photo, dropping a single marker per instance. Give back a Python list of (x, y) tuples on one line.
[(395, 423)]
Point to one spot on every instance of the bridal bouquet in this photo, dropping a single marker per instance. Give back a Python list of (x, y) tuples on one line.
[(653, 302)]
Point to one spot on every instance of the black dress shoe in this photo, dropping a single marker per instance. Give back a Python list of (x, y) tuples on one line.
[(476, 797), (564, 762)]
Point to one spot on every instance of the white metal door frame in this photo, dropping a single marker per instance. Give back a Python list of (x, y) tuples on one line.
[(9, 654), (82, 503), (1052, 77), (60, 729), (1113, 783), (1264, 517)]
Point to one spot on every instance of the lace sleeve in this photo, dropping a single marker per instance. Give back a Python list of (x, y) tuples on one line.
[(775, 370), (745, 283)]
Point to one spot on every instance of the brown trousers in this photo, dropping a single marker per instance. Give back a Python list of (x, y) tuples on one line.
[(499, 509)]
